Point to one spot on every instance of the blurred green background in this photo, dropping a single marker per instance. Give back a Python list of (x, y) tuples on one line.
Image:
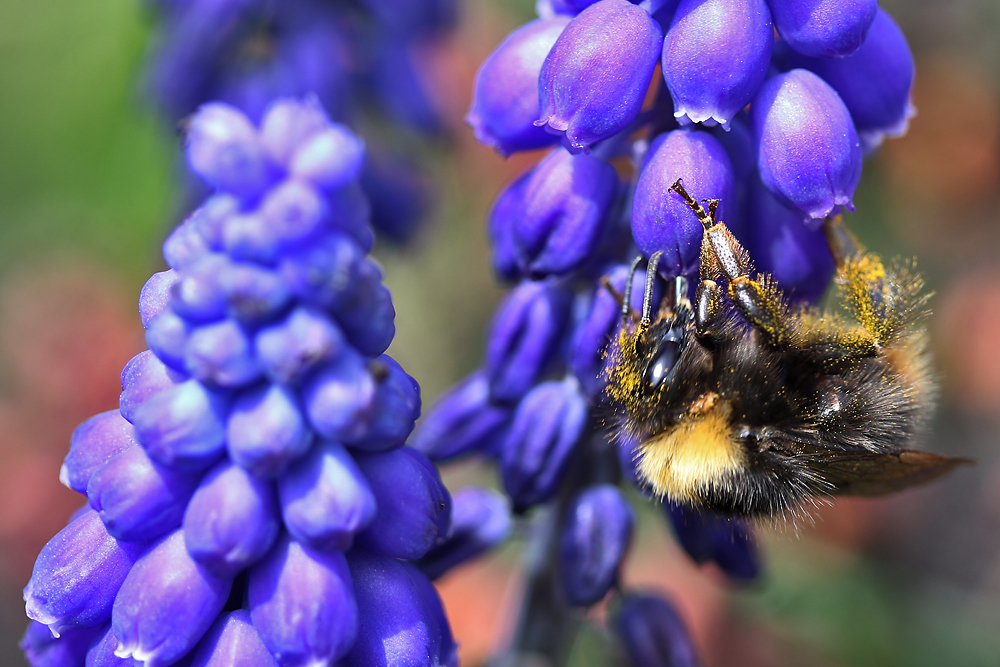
[(87, 193)]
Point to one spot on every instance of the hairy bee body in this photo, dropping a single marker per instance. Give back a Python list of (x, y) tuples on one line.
[(745, 405)]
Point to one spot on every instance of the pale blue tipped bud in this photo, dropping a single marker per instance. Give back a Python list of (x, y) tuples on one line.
[(340, 398), (505, 97), (397, 406), (138, 499), (525, 331), (563, 213), (198, 295), (68, 650), (462, 421), (823, 28), (77, 575), (402, 621), (595, 537), (808, 151), (874, 82), (167, 336), (302, 604), (166, 604), (594, 79), (480, 520), (144, 376), (183, 426), (221, 354), (330, 159), (660, 218), (325, 499), (292, 212), (288, 123), (715, 56), (413, 505), (94, 443), (781, 244), (253, 293), (155, 295), (266, 431), (547, 426), (224, 149), (290, 349), (231, 520), (232, 640), (653, 633)]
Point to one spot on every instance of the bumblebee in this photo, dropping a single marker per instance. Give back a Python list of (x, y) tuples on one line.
[(744, 404)]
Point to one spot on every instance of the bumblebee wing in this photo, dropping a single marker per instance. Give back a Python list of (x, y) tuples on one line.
[(865, 473)]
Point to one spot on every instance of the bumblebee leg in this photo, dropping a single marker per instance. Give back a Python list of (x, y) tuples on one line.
[(759, 300), (886, 301)]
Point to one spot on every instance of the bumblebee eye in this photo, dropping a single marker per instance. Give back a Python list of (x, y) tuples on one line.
[(662, 360)]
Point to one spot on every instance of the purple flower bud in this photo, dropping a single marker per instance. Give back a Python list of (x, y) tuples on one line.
[(288, 123), (199, 295), (823, 28), (183, 426), (400, 196), (563, 212), (155, 295), (715, 56), (232, 640), (526, 329), (167, 336), (266, 430), (102, 653), (401, 618), (547, 425), (340, 398), (368, 317), (595, 536), (874, 82), (480, 520), (43, 650), (249, 237), (291, 348), (726, 541), (505, 97), (660, 218), (223, 148), (293, 212), (594, 332), (221, 354), (505, 254), (302, 604), (653, 633), (144, 376), (462, 421), (325, 273), (781, 244), (166, 604), (232, 519), (331, 158), (253, 293), (808, 150), (350, 212), (413, 505), (77, 575), (185, 244), (138, 499), (397, 406), (325, 498), (201, 231), (594, 79), (94, 443)]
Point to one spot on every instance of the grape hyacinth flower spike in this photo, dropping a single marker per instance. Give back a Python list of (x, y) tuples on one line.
[(250, 499)]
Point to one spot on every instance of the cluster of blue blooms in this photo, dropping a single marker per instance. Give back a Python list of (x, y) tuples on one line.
[(768, 106), (252, 501), (360, 58)]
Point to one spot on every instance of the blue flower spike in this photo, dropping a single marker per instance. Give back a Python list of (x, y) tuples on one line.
[(261, 438), (715, 56), (594, 79)]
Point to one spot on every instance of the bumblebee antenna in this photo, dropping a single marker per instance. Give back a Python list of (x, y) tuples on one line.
[(707, 218), (647, 298), (627, 294)]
